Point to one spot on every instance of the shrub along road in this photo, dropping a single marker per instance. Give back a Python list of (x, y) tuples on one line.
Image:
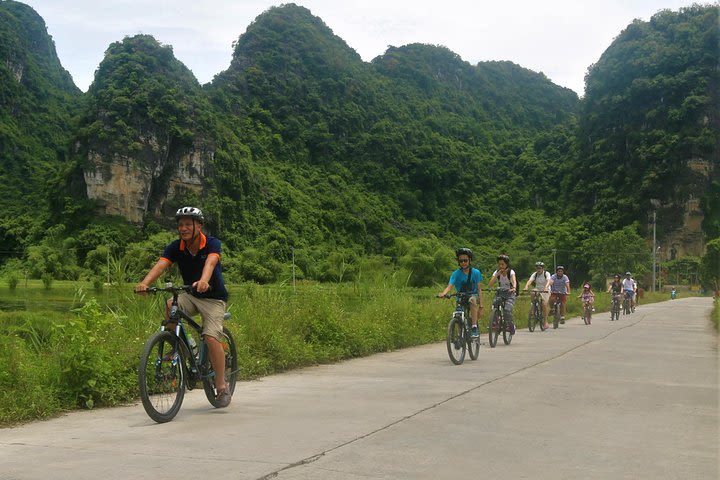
[(637, 398)]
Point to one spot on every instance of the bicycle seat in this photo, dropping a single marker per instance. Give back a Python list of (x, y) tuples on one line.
[(227, 316)]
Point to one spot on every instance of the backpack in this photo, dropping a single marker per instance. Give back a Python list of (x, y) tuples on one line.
[(534, 276), (467, 286)]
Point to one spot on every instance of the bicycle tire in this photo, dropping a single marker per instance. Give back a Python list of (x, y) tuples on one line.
[(473, 344), (456, 340), (494, 333), (531, 318), (231, 369), (162, 392), (587, 316), (507, 336)]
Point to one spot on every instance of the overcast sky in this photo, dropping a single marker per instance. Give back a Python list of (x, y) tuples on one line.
[(560, 38)]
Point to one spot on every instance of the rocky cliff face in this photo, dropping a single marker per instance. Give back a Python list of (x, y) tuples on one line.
[(133, 189), (689, 239), (142, 144)]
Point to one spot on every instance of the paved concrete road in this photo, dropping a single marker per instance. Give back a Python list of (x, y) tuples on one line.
[(634, 399)]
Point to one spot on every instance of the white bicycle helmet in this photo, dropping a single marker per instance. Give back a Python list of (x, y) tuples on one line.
[(191, 212)]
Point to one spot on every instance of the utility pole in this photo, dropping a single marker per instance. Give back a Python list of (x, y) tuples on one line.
[(554, 260)]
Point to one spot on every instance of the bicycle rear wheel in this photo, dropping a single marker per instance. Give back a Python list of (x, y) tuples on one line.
[(231, 369), (161, 376), (556, 315), (494, 329), (456, 343)]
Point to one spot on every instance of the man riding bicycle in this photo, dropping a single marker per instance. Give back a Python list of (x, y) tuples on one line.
[(629, 286), (542, 281), (467, 279), (559, 290), (198, 258)]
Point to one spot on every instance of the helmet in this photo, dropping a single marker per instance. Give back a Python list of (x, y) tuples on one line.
[(559, 267), (586, 285), (503, 257), (539, 264), (617, 275), (628, 274), (191, 212), (464, 251)]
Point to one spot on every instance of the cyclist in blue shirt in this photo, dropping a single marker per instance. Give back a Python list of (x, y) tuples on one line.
[(467, 279), (198, 258)]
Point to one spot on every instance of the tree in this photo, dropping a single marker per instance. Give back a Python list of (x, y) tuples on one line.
[(617, 252), (710, 266)]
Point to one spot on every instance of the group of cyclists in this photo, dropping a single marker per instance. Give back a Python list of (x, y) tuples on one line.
[(552, 289), (198, 258)]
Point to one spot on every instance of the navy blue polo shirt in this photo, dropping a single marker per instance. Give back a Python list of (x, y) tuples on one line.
[(191, 266)]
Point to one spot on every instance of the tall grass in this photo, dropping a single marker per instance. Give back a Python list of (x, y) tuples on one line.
[(84, 354)]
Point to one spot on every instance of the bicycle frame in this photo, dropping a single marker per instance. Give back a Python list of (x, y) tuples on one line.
[(462, 307), (180, 319)]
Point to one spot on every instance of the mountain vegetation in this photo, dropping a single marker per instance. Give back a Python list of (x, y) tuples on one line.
[(320, 165)]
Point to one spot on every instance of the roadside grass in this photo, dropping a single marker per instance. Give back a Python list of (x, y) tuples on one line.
[(77, 347)]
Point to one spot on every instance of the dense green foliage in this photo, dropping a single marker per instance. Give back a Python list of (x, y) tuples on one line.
[(710, 266), (322, 166), (37, 103), (650, 107)]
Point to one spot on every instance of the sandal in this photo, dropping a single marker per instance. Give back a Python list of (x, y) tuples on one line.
[(223, 397)]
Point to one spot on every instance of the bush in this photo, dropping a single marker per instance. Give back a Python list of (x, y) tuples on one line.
[(47, 280), (12, 281)]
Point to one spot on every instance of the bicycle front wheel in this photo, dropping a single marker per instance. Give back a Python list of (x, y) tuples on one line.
[(473, 344), (456, 340), (231, 369), (494, 330), (507, 334), (161, 376), (531, 318)]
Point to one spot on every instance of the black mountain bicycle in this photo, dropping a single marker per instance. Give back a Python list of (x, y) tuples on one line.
[(626, 304), (535, 315), (169, 363), (459, 337), (615, 307), (498, 323)]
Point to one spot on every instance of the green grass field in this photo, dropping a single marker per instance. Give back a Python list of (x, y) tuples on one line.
[(75, 347)]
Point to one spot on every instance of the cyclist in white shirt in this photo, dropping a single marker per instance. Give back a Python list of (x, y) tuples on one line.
[(541, 279), (630, 288)]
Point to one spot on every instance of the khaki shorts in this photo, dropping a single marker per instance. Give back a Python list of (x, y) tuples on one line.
[(211, 311)]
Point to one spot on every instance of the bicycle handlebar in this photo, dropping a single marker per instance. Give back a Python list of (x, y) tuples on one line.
[(456, 294), (168, 288)]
